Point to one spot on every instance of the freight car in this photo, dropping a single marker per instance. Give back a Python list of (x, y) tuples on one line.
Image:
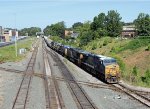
[(99, 65)]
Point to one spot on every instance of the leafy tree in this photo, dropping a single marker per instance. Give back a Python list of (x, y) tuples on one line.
[(86, 35), (99, 24), (55, 29), (94, 24), (113, 23), (31, 31), (85, 38), (84, 28), (142, 24), (77, 24)]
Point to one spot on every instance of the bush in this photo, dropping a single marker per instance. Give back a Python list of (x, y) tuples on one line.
[(136, 43), (94, 46), (143, 37), (120, 63), (134, 71), (113, 49), (105, 43), (148, 48), (147, 76)]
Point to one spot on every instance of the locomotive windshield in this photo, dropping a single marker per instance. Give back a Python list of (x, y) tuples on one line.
[(109, 61)]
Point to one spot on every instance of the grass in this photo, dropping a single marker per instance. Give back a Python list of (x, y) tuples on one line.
[(8, 53), (128, 52)]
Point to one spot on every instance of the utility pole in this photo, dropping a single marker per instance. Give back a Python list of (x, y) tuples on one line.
[(15, 37), (16, 44)]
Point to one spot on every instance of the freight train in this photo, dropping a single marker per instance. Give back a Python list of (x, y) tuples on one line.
[(98, 65)]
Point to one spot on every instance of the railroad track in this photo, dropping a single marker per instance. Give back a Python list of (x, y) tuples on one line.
[(79, 95), (90, 84), (11, 70), (52, 93), (142, 99), (144, 94), (22, 94)]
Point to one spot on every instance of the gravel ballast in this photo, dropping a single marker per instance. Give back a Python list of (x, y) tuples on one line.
[(9, 85), (101, 96)]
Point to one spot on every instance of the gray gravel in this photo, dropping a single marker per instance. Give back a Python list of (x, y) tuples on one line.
[(67, 97), (36, 99), (56, 71), (36, 94), (9, 85), (116, 100), (65, 92), (39, 64), (101, 96)]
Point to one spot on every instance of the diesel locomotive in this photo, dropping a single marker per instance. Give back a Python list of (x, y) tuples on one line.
[(99, 65)]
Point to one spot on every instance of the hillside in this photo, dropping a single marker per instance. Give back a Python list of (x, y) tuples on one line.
[(130, 53), (133, 56)]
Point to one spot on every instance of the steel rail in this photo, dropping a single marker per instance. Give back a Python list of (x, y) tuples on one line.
[(53, 96), (79, 95), (23, 91), (145, 101)]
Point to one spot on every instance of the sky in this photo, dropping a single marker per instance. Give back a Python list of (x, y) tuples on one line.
[(40, 13)]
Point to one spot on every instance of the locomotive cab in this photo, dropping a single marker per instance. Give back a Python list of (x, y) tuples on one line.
[(108, 68), (111, 70)]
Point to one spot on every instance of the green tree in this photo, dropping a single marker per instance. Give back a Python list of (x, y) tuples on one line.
[(142, 24), (86, 35), (113, 23), (99, 25), (31, 31), (55, 29), (85, 38), (77, 24), (84, 28)]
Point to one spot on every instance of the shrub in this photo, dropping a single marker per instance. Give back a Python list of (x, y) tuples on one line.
[(120, 63), (105, 43), (113, 49), (134, 71), (144, 37), (147, 76), (148, 48), (136, 43), (94, 46)]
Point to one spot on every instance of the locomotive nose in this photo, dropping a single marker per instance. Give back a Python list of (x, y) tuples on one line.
[(112, 69), (112, 72)]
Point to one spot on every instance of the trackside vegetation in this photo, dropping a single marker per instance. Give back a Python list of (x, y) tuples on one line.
[(134, 60), (103, 36), (8, 53)]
